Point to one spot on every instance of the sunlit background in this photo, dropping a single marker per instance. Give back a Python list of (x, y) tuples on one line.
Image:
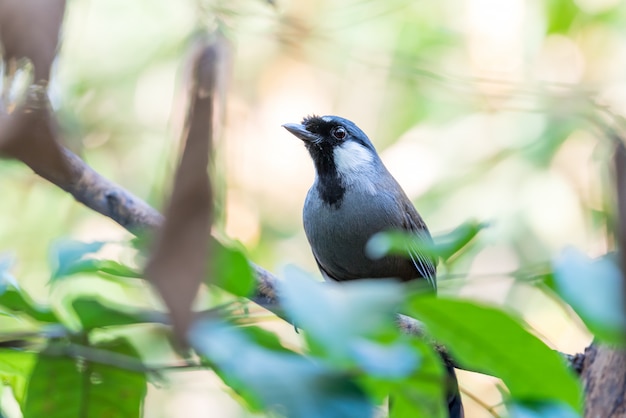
[(478, 107)]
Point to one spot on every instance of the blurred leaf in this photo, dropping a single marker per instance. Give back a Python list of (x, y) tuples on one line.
[(15, 369), (116, 269), (16, 301), (275, 380), (384, 360), (421, 394), (593, 288), (265, 339), (350, 323), (67, 256), (70, 257), (444, 246), (490, 340), (397, 242), (93, 314), (560, 15), (61, 387), (541, 410), (6, 264), (230, 270), (178, 263), (16, 361)]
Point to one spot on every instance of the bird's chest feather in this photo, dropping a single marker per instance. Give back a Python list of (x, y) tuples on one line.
[(338, 233)]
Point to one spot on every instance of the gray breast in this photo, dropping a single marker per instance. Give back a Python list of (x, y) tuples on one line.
[(338, 235)]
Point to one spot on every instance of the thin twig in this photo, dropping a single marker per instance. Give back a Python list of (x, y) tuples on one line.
[(490, 409), (109, 358), (141, 216)]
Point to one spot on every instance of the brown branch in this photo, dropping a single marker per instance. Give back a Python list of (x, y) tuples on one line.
[(143, 217), (604, 366), (73, 175), (30, 29), (109, 199), (105, 197), (604, 381)]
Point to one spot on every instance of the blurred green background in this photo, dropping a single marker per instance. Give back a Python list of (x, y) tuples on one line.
[(478, 107)]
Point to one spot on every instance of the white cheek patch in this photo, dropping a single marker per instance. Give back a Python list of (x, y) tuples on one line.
[(352, 157), (354, 164)]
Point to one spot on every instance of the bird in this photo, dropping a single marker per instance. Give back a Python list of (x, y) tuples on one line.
[(354, 197)]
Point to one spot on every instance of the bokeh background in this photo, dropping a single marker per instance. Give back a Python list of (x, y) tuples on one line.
[(480, 108)]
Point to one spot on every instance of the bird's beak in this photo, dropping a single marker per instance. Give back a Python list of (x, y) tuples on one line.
[(300, 132)]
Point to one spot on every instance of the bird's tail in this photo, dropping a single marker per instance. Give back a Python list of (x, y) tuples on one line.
[(453, 395)]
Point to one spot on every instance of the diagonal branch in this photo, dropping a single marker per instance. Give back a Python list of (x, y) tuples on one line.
[(89, 187)]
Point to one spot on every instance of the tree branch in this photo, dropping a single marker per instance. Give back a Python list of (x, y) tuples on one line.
[(105, 197), (111, 200)]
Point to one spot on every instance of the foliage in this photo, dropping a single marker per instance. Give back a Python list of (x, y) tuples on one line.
[(74, 387), (589, 287), (75, 346), (489, 340), (354, 355)]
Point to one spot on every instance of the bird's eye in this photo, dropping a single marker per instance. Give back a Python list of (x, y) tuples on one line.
[(339, 132)]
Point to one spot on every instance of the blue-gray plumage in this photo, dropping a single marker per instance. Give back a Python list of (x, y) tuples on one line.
[(352, 198)]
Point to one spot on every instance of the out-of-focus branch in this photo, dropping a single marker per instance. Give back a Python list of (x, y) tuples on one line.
[(141, 216), (105, 197), (109, 199), (30, 29), (30, 134)]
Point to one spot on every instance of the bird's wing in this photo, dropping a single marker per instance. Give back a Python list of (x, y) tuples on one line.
[(424, 264), (337, 275)]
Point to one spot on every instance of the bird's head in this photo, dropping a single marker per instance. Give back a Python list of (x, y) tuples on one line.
[(335, 144)]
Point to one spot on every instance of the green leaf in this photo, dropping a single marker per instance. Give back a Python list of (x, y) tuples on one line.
[(14, 300), (561, 15), (593, 288), (16, 362), (443, 246), (490, 340), (68, 256), (350, 323), (71, 257), (15, 369), (265, 339), (397, 242), (61, 387), (94, 314), (277, 381), (446, 245), (421, 395), (114, 268), (230, 270)]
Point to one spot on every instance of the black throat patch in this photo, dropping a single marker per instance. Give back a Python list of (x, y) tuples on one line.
[(329, 185)]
